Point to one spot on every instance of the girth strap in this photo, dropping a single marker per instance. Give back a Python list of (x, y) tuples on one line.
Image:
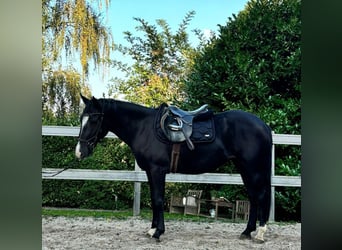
[(174, 157)]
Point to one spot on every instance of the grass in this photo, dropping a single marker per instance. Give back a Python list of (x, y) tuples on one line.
[(123, 214), (144, 214), (66, 212)]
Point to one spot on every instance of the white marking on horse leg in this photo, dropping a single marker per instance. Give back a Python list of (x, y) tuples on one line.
[(260, 233), (151, 231), (78, 150)]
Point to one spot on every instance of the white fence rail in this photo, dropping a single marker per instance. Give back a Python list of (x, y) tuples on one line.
[(139, 176)]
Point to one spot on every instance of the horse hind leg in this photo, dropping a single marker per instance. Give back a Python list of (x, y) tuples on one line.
[(259, 237), (264, 211), (259, 194), (257, 179), (259, 209), (251, 224)]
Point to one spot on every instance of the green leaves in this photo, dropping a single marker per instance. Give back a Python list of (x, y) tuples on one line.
[(61, 98), (161, 60), (254, 64)]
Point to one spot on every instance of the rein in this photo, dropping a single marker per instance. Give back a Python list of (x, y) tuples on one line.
[(60, 171), (56, 173)]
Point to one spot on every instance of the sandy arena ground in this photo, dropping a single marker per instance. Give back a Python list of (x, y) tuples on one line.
[(100, 234)]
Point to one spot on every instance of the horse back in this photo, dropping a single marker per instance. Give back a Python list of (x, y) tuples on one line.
[(242, 125)]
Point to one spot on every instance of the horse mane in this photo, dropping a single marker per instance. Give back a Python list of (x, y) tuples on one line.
[(126, 104)]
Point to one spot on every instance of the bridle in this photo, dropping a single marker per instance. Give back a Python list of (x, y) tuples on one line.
[(92, 140)]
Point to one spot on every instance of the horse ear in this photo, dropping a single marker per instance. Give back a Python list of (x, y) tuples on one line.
[(84, 99), (96, 102)]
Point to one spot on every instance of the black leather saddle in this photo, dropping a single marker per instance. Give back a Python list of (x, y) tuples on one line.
[(178, 125)]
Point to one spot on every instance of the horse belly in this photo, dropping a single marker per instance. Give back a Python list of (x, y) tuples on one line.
[(201, 160)]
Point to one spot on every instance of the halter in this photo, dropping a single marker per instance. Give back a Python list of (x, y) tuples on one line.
[(91, 141)]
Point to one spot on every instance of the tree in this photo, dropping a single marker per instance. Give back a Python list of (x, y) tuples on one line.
[(61, 99), (70, 27), (161, 61)]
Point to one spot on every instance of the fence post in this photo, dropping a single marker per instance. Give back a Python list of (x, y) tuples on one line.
[(272, 210), (137, 193)]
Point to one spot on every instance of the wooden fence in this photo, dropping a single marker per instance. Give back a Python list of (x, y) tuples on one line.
[(139, 176)]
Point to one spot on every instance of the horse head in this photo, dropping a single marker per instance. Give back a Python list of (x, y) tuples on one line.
[(92, 128)]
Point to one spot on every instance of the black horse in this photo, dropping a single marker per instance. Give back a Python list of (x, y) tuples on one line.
[(239, 136)]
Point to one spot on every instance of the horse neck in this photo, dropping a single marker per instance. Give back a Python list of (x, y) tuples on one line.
[(127, 120)]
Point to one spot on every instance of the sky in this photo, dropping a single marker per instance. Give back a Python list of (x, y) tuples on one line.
[(209, 13)]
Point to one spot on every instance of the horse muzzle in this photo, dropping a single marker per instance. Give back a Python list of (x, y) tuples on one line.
[(83, 151)]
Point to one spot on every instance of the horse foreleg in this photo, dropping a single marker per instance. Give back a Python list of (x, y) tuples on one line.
[(157, 188), (157, 230), (152, 231), (157, 227)]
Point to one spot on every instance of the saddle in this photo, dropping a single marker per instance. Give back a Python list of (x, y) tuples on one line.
[(177, 124)]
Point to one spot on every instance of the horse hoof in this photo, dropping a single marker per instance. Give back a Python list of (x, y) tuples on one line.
[(151, 232), (260, 241), (259, 237), (245, 237)]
